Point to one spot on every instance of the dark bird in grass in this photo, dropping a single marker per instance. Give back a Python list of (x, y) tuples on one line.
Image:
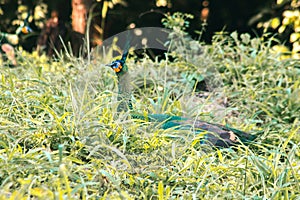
[(215, 134)]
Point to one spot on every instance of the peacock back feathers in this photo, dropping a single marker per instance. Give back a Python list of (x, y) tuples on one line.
[(215, 134)]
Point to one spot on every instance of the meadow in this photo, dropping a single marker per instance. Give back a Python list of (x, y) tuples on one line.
[(61, 137)]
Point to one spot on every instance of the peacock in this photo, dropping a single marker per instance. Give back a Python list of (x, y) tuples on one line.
[(215, 134)]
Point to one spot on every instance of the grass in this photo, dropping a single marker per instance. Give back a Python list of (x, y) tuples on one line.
[(60, 136)]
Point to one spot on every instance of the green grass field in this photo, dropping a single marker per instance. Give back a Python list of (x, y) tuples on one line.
[(60, 136)]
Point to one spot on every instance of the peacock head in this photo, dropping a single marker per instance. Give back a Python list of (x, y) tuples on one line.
[(117, 66)]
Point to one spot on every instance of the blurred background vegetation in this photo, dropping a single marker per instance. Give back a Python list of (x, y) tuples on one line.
[(109, 17)]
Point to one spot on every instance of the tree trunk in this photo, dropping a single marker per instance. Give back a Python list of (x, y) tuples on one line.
[(80, 9)]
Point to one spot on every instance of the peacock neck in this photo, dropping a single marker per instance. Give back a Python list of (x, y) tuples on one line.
[(125, 88), (124, 98)]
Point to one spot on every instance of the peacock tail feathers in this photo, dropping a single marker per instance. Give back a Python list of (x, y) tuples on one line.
[(216, 134)]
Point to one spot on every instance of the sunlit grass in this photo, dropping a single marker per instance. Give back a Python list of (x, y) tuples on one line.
[(60, 136)]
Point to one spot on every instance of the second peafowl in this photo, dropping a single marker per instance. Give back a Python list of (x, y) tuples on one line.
[(214, 134)]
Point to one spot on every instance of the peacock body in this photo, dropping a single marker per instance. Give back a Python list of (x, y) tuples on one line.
[(215, 134)]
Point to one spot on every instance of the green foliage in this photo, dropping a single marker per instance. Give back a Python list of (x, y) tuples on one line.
[(269, 87), (177, 21), (288, 24), (60, 136)]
